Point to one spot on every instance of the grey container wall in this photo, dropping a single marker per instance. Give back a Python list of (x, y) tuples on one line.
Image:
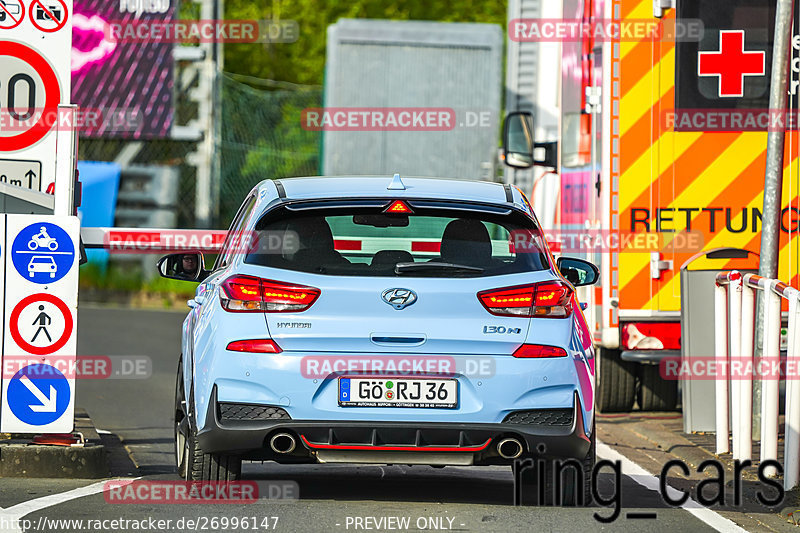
[(697, 336), (392, 64)]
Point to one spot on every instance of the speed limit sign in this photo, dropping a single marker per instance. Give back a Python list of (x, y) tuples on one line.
[(29, 97), (35, 78)]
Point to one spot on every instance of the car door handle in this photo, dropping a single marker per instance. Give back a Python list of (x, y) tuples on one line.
[(200, 299)]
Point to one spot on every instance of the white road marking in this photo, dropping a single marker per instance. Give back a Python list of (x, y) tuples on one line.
[(649, 481), (11, 516)]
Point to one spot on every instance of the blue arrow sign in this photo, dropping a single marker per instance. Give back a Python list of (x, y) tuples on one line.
[(43, 253), (38, 394)]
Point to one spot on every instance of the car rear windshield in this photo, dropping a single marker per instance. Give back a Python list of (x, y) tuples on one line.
[(428, 242)]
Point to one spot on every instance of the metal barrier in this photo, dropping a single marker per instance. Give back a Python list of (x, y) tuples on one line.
[(735, 303)]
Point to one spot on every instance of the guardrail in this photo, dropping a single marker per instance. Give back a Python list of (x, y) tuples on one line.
[(735, 298)]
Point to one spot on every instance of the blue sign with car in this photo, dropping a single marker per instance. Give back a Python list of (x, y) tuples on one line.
[(43, 253)]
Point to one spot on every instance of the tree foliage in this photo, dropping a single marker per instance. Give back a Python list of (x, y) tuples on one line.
[(304, 61)]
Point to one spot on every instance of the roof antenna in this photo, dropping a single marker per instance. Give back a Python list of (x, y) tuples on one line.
[(397, 184)]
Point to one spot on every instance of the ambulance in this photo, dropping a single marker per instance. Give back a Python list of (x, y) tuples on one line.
[(659, 127)]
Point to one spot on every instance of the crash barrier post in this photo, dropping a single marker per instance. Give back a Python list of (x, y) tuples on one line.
[(735, 297)]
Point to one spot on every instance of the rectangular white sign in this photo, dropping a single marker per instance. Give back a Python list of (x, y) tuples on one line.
[(25, 174), (35, 77), (42, 255)]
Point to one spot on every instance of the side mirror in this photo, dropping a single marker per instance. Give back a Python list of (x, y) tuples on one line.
[(518, 143), (183, 267), (577, 271)]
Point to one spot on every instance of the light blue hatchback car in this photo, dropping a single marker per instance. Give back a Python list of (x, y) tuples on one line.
[(384, 320)]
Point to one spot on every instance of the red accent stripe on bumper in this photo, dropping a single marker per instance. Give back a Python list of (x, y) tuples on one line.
[(478, 448)]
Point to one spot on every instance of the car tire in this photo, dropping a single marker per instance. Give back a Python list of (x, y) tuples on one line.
[(569, 496), (193, 464), (203, 466), (616, 382), (656, 393), (181, 424)]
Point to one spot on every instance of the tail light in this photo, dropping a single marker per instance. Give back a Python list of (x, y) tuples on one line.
[(247, 294), (255, 346), (549, 299), (535, 351)]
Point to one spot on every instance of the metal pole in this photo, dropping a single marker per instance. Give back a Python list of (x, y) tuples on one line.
[(735, 311), (773, 178), (746, 383), (769, 379), (721, 362), (216, 117)]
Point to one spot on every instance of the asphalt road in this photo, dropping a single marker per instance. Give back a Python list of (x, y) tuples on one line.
[(332, 498)]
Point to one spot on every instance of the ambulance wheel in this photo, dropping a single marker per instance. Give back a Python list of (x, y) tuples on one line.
[(616, 382), (656, 393)]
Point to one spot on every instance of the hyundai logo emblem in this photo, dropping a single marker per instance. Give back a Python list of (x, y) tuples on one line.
[(399, 298)]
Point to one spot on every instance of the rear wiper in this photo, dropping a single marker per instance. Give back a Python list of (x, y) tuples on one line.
[(402, 268)]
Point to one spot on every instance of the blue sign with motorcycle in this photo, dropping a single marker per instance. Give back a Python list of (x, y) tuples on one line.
[(43, 253)]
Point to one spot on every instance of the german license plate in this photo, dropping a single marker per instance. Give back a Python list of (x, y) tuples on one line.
[(404, 392)]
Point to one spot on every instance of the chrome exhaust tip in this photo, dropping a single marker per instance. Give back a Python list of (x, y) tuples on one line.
[(509, 448), (282, 443)]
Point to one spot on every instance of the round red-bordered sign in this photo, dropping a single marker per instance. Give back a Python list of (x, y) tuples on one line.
[(13, 324), (52, 91), (49, 14), (4, 9)]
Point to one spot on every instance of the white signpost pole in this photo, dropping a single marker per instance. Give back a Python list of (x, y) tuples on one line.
[(41, 253), (66, 161)]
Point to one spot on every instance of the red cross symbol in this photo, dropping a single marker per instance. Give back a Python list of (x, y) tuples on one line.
[(731, 64)]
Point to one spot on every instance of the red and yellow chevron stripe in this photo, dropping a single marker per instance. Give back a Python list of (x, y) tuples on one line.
[(711, 182)]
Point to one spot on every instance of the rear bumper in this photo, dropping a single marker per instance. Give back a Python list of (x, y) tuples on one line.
[(393, 441)]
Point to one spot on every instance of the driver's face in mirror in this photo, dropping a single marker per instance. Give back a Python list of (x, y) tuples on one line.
[(189, 264)]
